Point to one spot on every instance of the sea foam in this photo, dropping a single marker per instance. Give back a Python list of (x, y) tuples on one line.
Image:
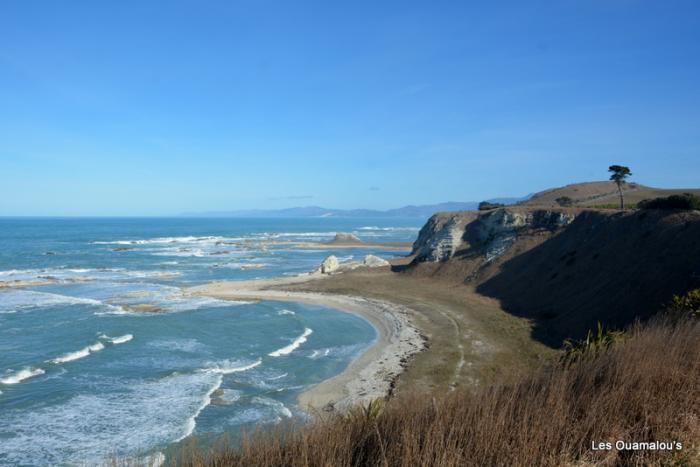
[(21, 375), (14, 299), (78, 354), (293, 346), (227, 367), (81, 430), (117, 340)]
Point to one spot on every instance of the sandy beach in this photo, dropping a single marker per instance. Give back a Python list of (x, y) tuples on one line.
[(370, 376)]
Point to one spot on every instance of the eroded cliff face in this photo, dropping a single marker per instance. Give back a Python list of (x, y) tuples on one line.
[(489, 233), (566, 269), (441, 236)]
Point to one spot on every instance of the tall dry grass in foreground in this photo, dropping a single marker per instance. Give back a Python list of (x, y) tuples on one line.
[(644, 388)]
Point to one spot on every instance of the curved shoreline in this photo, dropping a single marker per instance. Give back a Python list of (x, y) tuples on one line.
[(373, 373)]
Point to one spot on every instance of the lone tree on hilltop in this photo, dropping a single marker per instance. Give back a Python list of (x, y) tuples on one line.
[(619, 175)]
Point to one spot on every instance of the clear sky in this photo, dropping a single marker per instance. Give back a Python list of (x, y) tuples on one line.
[(161, 107)]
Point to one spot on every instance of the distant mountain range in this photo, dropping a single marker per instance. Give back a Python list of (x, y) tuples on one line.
[(316, 211)]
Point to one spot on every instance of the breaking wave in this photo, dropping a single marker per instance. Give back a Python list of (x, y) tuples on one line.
[(20, 375), (117, 340), (226, 367), (78, 354), (293, 346)]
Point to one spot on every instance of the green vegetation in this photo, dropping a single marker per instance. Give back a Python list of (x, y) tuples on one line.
[(685, 201), (688, 303), (644, 388), (594, 343), (620, 173), (564, 201)]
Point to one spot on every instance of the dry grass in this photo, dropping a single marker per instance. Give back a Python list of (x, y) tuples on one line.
[(645, 388)]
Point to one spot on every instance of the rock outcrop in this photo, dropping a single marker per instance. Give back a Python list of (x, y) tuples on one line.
[(372, 261), (329, 265), (342, 238), (440, 237), (491, 233)]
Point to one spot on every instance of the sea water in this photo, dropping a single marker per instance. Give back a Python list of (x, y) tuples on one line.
[(105, 356)]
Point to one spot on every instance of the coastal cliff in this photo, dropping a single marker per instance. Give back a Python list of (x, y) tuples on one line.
[(489, 233), (565, 269)]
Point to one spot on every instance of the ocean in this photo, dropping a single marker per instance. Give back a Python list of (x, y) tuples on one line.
[(102, 354)]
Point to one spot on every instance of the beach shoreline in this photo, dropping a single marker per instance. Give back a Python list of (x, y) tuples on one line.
[(371, 375)]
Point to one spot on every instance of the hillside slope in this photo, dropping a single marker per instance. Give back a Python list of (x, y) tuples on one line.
[(565, 269), (601, 193)]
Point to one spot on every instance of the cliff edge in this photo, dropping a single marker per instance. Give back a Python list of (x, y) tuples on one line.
[(565, 269)]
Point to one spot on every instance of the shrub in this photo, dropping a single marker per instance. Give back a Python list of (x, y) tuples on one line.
[(591, 345), (688, 303), (564, 201), (684, 201)]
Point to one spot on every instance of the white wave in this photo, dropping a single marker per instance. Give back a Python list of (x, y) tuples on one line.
[(293, 346), (117, 340), (96, 347), (195, 252), (21, 375), (227, 367), (70, 356), (17, 298), (144, 416), (162, 298), (285, 312), (241, 266), (390, 229), (182, 345), (229, 396), (71, 275), (9, 272), (320, 353), (277, 406), (78, 354), (307, 235), (206, 400), (170, 240)]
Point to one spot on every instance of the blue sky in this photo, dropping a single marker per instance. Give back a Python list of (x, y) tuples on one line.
[(162, 107)]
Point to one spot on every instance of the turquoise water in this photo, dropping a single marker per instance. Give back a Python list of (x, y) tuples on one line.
[(83, 376)]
